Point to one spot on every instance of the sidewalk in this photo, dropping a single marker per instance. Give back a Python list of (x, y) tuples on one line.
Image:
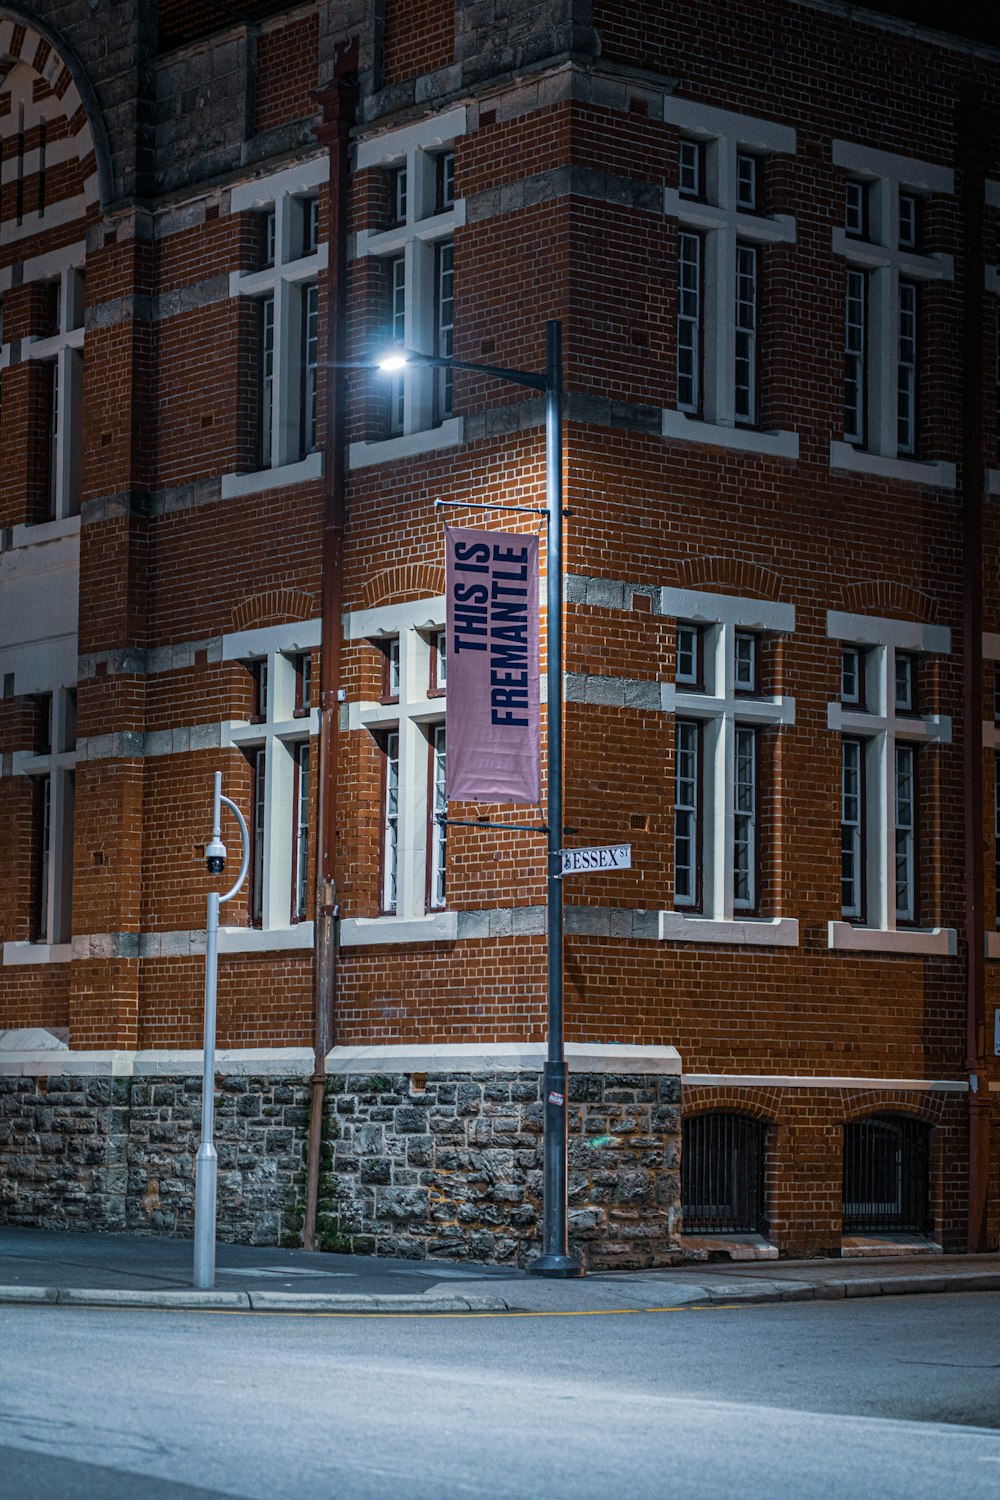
[(135, 1271)]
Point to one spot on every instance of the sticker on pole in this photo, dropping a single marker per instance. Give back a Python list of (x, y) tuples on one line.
[(606, 857), (555, 1098)]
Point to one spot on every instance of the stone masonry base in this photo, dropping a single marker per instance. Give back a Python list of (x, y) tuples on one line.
[(416, 1164)]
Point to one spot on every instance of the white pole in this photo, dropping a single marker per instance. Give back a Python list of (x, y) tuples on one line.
[(207, 1170)]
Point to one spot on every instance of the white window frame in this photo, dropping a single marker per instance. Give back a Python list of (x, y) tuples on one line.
[(286, 281), (63, 351), (423, 423), (720, 710), (881, 726), (723, 225), (278, 734), (413, 714), (877, 447)]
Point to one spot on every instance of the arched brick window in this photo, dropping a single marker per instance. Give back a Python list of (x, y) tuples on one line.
[(886, 1175), (722, 1173)]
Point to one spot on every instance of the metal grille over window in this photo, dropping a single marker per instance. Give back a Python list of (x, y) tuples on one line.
[(722, 1174), (886, 1172)]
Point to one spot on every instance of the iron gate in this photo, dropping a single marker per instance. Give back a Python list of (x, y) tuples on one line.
[(886, 1161), (722, 1174)]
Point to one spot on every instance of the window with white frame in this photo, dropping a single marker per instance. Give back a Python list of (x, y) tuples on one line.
[(721, 714), (722, 237), (885, 268), (50, 765), (285, 288), (885, 730), (276, 739), (417, 250), (58, 352), (408, 729)]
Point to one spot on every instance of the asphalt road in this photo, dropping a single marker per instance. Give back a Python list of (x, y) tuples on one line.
[(877, 1398)]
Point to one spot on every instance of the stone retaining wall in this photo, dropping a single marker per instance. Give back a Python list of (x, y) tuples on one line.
[(448, 1166)]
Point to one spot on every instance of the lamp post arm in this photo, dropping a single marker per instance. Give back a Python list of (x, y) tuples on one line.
[(245, 849)]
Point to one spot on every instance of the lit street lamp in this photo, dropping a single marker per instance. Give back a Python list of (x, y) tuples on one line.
[(206, 1174), (554, 1259)]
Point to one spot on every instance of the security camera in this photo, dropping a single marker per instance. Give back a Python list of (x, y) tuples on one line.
[(215, 856)]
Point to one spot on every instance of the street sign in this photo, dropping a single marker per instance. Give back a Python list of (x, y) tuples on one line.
[(601, 857)]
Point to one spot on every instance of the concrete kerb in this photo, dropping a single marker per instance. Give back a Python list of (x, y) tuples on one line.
[(717, 1292)]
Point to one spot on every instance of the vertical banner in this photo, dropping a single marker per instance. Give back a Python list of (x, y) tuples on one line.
[(492, 644)]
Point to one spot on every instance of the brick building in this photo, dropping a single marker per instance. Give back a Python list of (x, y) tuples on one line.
[(772, 234)]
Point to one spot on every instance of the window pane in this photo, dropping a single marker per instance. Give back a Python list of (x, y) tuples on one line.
[(850, 675), (745, 819), (745, 662), (689, 323), (686, 831), (746, 181), (266, 382), (905, 832), (258, 763), (301, 833), (390, 828), (688, 655), (445, 298), (907, 382), (691, 175), (851, 831), (439, 805), (310, 364), (855, 357), (904, 694), (747, 269)]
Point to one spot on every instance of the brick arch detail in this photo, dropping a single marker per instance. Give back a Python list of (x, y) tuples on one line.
[(27, 39), (401, 585), (883, 597), (926, 1107), (273, 607), (760, 1104), (729, 575)]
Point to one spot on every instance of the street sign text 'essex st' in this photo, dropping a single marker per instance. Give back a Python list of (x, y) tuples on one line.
[(606, 857)]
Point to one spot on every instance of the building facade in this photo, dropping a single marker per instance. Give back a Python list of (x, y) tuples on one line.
[(772, 235)]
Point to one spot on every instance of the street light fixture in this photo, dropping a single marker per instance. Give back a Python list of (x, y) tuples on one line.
[(206, 1174), (555, 1260)]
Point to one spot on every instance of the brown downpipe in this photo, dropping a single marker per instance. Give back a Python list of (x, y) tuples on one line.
[(338, 101), (973, 160)]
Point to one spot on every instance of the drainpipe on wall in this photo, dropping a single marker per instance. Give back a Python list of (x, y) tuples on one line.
[(338, 101), (973, 160)]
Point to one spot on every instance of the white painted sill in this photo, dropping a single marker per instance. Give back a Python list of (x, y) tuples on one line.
[(776, 932), (46, 531), (37, 953), (260, 480), (678, 425), (939, 476), (266, 939), (922, 941), (449, 434), (437, 927)]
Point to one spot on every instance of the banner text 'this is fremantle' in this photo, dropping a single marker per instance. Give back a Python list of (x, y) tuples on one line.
[(493, 617)]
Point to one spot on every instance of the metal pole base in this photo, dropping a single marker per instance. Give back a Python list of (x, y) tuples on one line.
[(555, 1266), (206, 1173)]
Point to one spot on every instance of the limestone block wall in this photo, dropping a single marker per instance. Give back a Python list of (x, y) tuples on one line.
[(445, 1165)]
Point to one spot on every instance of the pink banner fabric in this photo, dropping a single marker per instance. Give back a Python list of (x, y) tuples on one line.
[(492, 645)]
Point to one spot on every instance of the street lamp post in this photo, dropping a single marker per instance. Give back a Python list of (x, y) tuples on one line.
[(206, 1175), (555, 1260)]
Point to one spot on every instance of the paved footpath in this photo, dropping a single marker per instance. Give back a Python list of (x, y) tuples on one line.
[(144, 1271)]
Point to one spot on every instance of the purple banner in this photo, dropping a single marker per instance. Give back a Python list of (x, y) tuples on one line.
[(492, 631)]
